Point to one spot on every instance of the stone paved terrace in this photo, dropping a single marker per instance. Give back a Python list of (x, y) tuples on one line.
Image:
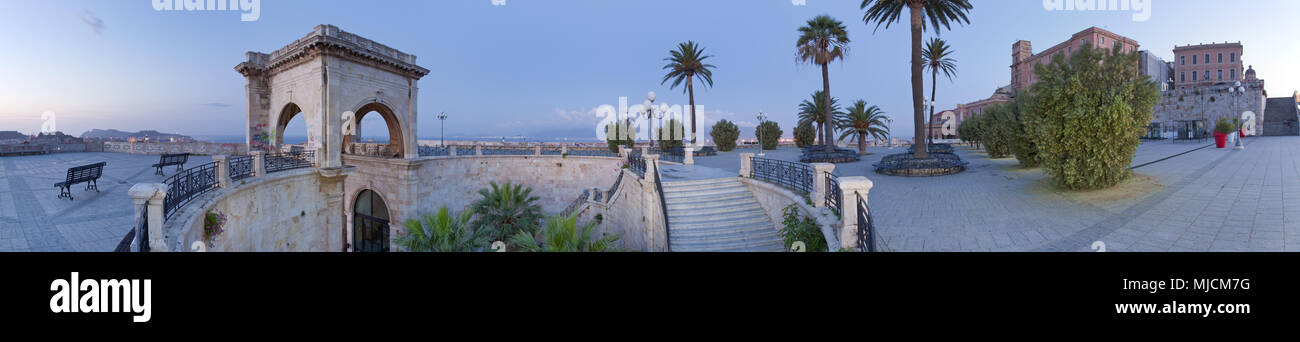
[(33, 218), (1206, 200)]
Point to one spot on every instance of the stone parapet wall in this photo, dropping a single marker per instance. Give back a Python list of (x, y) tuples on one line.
[(292, 211), (1209, 103), (206, 148), (775, 199)]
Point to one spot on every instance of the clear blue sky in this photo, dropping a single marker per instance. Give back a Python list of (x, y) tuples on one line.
[(538, 66)]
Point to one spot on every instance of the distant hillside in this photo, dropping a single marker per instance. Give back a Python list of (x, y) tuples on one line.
[(113, 134), (7, 135)]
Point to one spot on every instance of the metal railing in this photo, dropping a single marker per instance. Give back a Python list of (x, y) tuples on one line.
[(577, 203), (141, 224), (430, 151), (240, 167), (592, 152), (790, 175), (507, 151), (834, 195), (672, 158), (289, 161), (186, 185), (636, 162), (866, 226)]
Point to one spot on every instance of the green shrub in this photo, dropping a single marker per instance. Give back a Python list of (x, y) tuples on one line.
[(799, 228), (1089, 113), (620, 134), (1022, 142), (443, 232), (671, 135), (506, 210), (997, 130), (771, 134), (562, 234), (1223, 126), (805, 134), (724, 135)]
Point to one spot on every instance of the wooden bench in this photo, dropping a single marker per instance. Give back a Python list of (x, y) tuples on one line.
[(178, 160), (88, 174)]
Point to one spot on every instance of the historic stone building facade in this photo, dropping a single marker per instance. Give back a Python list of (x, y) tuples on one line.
[(1207, 64), (1023, 58)]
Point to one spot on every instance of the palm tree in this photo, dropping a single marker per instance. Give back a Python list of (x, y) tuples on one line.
[(940, 12), (937, 58), (687, 64), (860, 121), (822, 41), (814, 112), (506, 209), (562, 234), (443, 232)]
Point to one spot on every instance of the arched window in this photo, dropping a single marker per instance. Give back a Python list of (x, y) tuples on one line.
[(369, 223)]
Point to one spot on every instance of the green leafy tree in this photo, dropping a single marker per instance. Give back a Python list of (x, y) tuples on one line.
[(938, 12), (998, 128), (822, 41), (724, 135), (1091, 109), (813, 111), (937, 57), (771, 134), (804, 134), (670, 137), (969, 130), (1021, 141), (860, 122), (443, 232), (507, 210), (562, 234), (687, 64), (620, 134)]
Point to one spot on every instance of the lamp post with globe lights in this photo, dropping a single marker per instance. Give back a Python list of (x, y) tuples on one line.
[(650, 116), (442, 133), (761, 118), (1237, 90)]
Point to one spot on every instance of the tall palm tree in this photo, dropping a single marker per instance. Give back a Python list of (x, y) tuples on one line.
[(822, 41), (937, 57), (939, 12), (814, 112), (687, 64), (862, 121)]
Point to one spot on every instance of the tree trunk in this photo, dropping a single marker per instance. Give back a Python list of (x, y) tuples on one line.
[(826, 102), (862, 143), (918, 95), (690, 88), (819, 134)]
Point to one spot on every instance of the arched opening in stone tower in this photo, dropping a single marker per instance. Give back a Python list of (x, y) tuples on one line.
[(370, 223), (291, 128), (378, 133)]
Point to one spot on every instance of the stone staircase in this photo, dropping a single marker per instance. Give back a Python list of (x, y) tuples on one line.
[(1281, 117), (718, 215)]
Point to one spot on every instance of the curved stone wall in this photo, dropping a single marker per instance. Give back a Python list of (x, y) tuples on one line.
[(291, 211)]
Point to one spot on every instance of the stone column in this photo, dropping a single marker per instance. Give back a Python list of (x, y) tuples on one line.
[(453, 150), (148, 199), (564, 149), (688, 157), (852, 187), (622, 151), (645, 150), (746, 164), (478, 150), (537, 150), (223, 170), (820, 172), (652, 211), (259, 163)]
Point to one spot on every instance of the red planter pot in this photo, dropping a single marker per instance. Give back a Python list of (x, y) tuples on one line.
[(1241, 133), (1220, 139)]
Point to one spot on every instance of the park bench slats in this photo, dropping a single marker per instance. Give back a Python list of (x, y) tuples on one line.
[(88, 174), (165, 160)]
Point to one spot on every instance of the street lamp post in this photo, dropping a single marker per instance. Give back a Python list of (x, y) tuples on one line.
[(650, 116), (890, 131), (442, 129), (1236, 90), (761, 117)]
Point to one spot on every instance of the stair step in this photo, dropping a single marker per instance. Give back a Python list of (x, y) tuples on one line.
[(751, 219), (721, 185), (700, 182), (702, 207), (725, 196), (719, 235), (773, 245), (728, 213)]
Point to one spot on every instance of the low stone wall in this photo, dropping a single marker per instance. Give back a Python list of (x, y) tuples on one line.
[(633, 212), (206, 148), (290, 211), (775, 199)]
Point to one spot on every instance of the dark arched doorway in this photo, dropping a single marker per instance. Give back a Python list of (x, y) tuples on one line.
[(391, 146), (369, 223)]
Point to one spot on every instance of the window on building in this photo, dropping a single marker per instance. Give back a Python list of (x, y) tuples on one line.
[(1182, 77), (1232, 74), (1232, 57), (1220, 58), (1207, 75), (1220, 75), (1103, 41), (1182, 60), (1193, 76), (1193, 59), (1207, 58)]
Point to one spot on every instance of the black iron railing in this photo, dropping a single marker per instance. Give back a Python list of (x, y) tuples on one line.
[(430, 151), (241, 167), (186, 185), (790, 175), (866, 227), (592, 152), (663, 207), (672, 158), (289, 161), (552, 150), (834, 196), (636, 162), (142, 224), (507, 151)]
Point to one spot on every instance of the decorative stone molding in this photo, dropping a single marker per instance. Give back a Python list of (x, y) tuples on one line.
[(746, 164), (852, 187), (820, 172), (149, 197), (688, 157)]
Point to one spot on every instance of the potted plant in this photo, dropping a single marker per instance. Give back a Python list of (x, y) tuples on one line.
[(1221, 130)]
